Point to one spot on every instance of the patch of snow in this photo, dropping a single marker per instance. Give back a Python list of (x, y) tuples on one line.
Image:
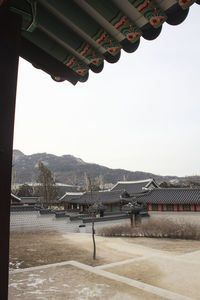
[(33, 275), (38, 292), (14, 265), (45, 162), (14, 285), (37, 282), (52, 289), (94, 291), (79, 160)]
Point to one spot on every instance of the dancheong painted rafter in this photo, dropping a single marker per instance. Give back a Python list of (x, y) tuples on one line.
[(68, 38)]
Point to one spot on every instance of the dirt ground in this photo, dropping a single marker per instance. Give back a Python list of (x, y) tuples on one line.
[(28, 249), (68, 282), (174, 246), (159, 263), (164, 272)]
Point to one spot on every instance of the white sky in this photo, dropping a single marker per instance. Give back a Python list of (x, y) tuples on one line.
[(140, 114)]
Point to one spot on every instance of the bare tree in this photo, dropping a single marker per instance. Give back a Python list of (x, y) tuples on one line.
[(87, 182), (74, 179), (100, 182), (47, 188), (91, 210), (95, 208), (124, 177)]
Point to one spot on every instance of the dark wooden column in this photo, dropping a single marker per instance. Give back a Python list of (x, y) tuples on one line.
[(9, 55)]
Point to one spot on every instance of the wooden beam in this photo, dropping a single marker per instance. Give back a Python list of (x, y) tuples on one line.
[(9, 55)]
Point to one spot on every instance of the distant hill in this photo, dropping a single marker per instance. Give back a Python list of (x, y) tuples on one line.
[(71, 170)]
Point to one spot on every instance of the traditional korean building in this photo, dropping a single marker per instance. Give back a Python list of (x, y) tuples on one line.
[(15, 200), (171, 199), (144, 191), (134, 187), (30, 200), (67, 39), (67, 200), (111, 199)]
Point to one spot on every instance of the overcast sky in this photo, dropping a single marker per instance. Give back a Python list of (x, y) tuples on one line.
[(140, 114)]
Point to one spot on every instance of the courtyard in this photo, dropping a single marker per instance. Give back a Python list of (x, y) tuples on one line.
[(56, 265)]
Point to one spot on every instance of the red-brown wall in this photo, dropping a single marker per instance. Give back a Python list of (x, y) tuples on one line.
[(197, 207), (164, 207), (175, 207), (180, 207)]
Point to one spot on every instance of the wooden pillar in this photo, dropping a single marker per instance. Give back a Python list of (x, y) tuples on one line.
[(159, 207), (192, 207), (175, 207), (197, 207), (180, 207), (9, 55), (149, 207), (164, 207)]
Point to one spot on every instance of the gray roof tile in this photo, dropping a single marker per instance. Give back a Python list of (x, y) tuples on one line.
[(29, 200), (104, 197), (133, 187), (171, 196), (69, 196)]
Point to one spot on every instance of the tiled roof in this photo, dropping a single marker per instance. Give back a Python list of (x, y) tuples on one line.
[(133, 187), (14, 197), (29, 200), (69, 38), (104, 197), (69, 196), (171, 196)]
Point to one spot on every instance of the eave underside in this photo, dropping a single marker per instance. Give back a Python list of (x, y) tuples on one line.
[(67, 39)]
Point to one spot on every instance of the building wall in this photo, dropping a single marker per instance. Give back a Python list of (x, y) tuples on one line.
[(174, 207), (151, 207), (197, 207)]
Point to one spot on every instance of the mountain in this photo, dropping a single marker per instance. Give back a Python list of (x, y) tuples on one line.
[(71, 170)]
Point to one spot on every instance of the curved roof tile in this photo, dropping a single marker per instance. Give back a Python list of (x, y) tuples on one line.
[(171, 196), (104, 197), (78, 35), (134, 187)]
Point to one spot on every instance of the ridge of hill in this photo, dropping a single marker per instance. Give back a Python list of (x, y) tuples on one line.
[(71, 170)]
